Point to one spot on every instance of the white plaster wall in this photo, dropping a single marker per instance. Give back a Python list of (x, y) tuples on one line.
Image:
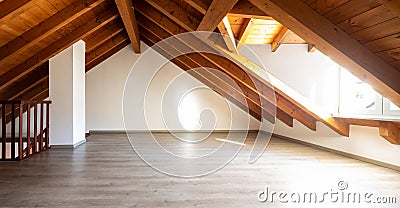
[(67, 93), (363, 141), (61, 102), (78, 80), (104, 98), (312, 74), (317, 77)]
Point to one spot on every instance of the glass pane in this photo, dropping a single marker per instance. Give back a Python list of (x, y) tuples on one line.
[(364, 96), (357, 95), (393, 107)]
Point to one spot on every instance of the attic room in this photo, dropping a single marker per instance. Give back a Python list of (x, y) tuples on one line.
[(206, 103)]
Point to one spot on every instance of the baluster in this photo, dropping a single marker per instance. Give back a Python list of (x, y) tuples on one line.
[(28, 130), (12, 131), (41, 127), (47, 124), (3, 133), (20, 126), (35, 144)]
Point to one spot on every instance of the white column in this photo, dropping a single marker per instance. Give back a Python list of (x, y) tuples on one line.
[(67, 93)]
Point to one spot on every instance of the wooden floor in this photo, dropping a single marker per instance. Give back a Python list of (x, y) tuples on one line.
[(106, 172)]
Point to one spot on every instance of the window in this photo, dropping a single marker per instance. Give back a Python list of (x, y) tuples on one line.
[(357, 98), (390, 109)]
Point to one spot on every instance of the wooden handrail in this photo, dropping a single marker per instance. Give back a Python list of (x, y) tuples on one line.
[(24, 102), (11, 110)]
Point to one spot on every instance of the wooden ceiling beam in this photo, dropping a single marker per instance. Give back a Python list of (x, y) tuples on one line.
[(125, 9), (285, 105), (9, 6), (217, 62), (338, 45), (103, 34), (176, 13), (246, 9), (23, 84), (311, 48), (279, 38), (210, 79), (251, 98), (48, 26), (39, 58), (215, 13), (250, 16), (389, 131), (244, 32), (99, 59), (156, 16), (284, 117), (226, 30), (222, 64), (294, 108), (199, 5), (106, 46), (224, 26)]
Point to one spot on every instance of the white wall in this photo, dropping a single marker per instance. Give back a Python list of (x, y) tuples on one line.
[(104, 98), (67, 93), (317, 77), (312, 74)]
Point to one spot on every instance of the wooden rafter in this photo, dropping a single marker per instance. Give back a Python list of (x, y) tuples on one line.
[(284, 117), (244, 82), (389, 130), (246, 9), (176, 13), (125, 9), (152, 13), (47, 27), (106, 46), (42, 56), (23, 84), (332, 41), (199, 5), (215, 13), (107, 31), (284, 104), (226, 30), (8, 6), (244, 32), (207, 77), (279, 38), (202, 60), (114, 49), (311, 48), (296, 109)]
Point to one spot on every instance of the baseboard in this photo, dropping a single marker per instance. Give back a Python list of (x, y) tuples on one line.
[(338, 152), (166, 131), (69, 146)]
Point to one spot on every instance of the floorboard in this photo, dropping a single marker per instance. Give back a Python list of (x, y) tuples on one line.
[(106, 172)]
